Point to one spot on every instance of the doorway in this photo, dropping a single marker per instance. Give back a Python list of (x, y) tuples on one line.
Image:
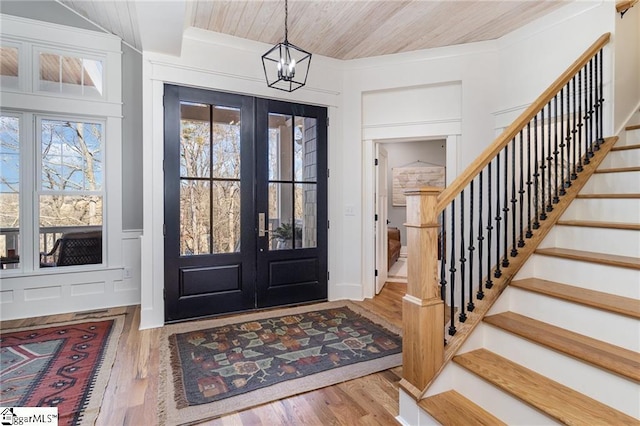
[(245, 183)]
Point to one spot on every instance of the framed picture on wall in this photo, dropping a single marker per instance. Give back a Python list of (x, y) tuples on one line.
[(409, 177)]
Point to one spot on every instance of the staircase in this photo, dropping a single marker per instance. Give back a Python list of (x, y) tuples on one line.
[(561, 345)]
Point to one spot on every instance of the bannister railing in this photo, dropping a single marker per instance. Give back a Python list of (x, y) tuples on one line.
[(492, 212)]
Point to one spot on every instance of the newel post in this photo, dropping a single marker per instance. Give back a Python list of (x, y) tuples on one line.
[(422, 308)]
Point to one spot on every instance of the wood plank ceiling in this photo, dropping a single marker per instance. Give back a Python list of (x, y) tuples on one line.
[(342, 29)]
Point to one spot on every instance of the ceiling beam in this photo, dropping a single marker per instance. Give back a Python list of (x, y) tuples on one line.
[(161, 25)]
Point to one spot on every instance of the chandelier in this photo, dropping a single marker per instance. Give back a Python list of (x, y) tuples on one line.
[(286, 66)]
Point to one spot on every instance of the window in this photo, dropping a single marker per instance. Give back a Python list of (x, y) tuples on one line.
[(9, 67), (70, 75), (10, 191), (70, 196)]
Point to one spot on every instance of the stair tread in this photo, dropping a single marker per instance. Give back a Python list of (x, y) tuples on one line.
[(595, 299), (632, 196), (451, 408), (625, 147), (600, 224), (601, 258), (615, 359), (633, 127), (619, 170), (552, 398)]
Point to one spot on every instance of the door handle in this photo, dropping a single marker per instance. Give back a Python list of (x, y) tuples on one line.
[(262, 231)]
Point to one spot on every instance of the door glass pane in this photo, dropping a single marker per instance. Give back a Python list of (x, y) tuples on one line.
[(283, 230), (9, 191), (9, 68), (195, 217), (280, 147), (305, 149), (225, 144), (306, 215), (226, 217), (195, 133)]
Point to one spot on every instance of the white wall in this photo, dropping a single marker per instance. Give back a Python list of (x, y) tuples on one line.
[(627, 66)]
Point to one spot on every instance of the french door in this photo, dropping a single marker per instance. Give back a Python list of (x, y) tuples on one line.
[(245, 203)]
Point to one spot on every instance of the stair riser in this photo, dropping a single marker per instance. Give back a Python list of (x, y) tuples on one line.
[(607, 279), (612, 183), (613, 390), (606, 210), (626, 158), (494, 400), (619, 242), (629, 137), (611, 328)]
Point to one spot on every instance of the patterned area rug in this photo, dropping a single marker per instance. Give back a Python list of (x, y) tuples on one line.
[(64, 365), (221, 366)]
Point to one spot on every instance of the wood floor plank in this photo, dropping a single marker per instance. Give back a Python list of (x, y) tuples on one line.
[(552, 398), (595, 299), (452, 409), (599, 224), (587, 256), (614, 359)]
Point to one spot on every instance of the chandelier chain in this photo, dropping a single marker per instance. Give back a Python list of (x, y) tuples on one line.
[(286, 18)]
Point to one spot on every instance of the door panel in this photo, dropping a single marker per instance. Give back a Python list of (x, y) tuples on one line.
[(245, 203), (209, 204), (292, 192)]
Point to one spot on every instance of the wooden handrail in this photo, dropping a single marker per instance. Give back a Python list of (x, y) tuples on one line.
[(452, 191), (623, 6)]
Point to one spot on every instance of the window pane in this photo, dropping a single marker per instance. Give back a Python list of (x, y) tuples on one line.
[(306, 215), (305, 149), (280, 147), (70, 230), (9, 67), (195, 145), (71, 156), (70, 75), (195, 217), (282, 230), (226, 217), (225, 146), (9, 191)]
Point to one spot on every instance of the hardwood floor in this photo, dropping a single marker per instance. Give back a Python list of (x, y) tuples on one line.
[(131, 395)]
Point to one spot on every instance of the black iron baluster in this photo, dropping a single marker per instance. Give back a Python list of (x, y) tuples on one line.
[(452, 270), (556, 199), (497, 273), (549, 160), (513, 200), (463, 260), (589, 124), (470, 305), (574, 132), (489, 282), (443, 276), (596, 105), (505, 206), (581, 126), (480, 293), (568, 137), (543, 168), (536, 174), (529, 233), (562, 145), (601, 102), (520, 192)]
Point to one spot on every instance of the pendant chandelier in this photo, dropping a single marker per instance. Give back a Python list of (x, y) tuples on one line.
[(286, 66)]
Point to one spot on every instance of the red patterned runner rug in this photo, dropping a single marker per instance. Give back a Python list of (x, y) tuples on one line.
[(61, 365), (215, 367)]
